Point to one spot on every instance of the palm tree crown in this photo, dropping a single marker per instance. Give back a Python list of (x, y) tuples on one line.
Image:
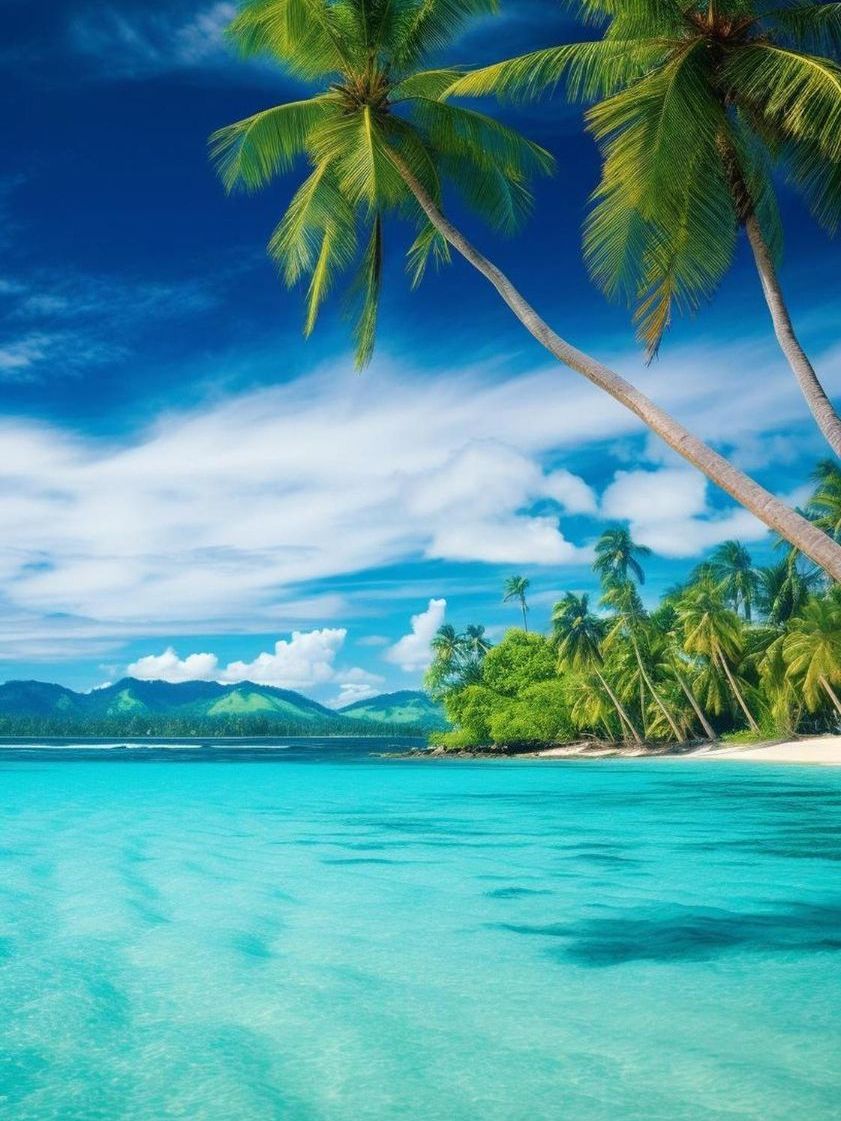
[(377, 115), (515, 587), (618, 556), (701, 101), (732, 566)]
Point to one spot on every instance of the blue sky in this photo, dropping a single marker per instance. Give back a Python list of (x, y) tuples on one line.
[(181, 472)]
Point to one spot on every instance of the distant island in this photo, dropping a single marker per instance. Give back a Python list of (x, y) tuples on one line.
[(204, 708)]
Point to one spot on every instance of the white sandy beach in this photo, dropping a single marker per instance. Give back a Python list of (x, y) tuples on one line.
[(821, 750), (824, 750)]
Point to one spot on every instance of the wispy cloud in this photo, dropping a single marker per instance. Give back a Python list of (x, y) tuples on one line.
[(65, 323), (140, 43), (240, 513)]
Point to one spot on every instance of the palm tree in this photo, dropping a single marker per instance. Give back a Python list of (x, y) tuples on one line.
[(711, 629), (618, 556), (703, 101), (824, 506), (812, 651), (381, 139), (515, 587), (731, 566), (784, 589), (674, 662), (578, 634), (629, 625), (476, 641)]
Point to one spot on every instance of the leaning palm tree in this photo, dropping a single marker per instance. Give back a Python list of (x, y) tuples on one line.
[(711, 629), (381, 139), (812, 651), (630, 624), (578, 634), (731, 566), (515, 587), (704, 100), (618, 556)]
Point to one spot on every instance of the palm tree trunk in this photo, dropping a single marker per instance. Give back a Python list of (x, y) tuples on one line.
[(696, 708), (525, 620), (754, 727), (831, 693), (765, 506), (624, 718), (822, 408), (657, 699)]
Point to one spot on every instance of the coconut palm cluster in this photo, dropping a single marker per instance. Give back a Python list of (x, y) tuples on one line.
[(736, 650)]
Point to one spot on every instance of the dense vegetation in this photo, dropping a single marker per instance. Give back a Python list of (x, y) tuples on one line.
[(736, 650)]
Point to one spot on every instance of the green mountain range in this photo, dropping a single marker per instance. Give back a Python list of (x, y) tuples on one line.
[(408, 707), (203, 708)]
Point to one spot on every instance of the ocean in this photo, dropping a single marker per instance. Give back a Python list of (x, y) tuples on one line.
[(304, 933)]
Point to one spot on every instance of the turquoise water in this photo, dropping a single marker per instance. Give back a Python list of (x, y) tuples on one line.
[(318, 937)]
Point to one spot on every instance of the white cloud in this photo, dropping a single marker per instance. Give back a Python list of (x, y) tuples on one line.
[(152, 42), (304, 661), (412, 652), (233, 515), (668, 511)]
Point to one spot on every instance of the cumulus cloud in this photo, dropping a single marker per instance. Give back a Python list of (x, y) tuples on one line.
[(412, 652), (304, 661), (668, 511)]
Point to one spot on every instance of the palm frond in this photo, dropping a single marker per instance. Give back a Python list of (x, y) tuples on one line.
[(431, 84), (251, 152), (427, 26), (812, 27), (590, 70), (428, 243), (366, 290), (465, 133), (800, 94), (297, 240), (301, 33), (817, 178)]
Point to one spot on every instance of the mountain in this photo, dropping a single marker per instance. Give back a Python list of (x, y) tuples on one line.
[(199, 708), (408, 707)]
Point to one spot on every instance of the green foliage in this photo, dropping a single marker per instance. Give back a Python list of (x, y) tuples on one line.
[(702, 663), (377, 122), (520, 660), (700, 103)]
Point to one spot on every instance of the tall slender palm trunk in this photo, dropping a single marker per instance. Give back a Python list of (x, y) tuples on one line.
[(819, 403), (624, 718), (764, 505), (525, 620), (657, 698), (831, 694), (696, 708), (754, 727)]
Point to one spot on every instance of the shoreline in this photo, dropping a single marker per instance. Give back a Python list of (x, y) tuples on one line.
[(811, 750)]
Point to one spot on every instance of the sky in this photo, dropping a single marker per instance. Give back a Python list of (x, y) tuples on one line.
[(189, 490)]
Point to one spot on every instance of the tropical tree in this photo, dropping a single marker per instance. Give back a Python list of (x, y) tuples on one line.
[(701, 102), (711, 629), (618, 556), (732, 567), (578, 634), (825, 504), (476, 641), (515, 588), (784, 589), (812, 651), (381, 138), (630, 624)]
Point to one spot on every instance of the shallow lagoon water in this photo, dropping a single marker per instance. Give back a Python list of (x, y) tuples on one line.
[(313, 935)]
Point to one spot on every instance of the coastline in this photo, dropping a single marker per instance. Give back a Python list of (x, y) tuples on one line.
[(815, 750)]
